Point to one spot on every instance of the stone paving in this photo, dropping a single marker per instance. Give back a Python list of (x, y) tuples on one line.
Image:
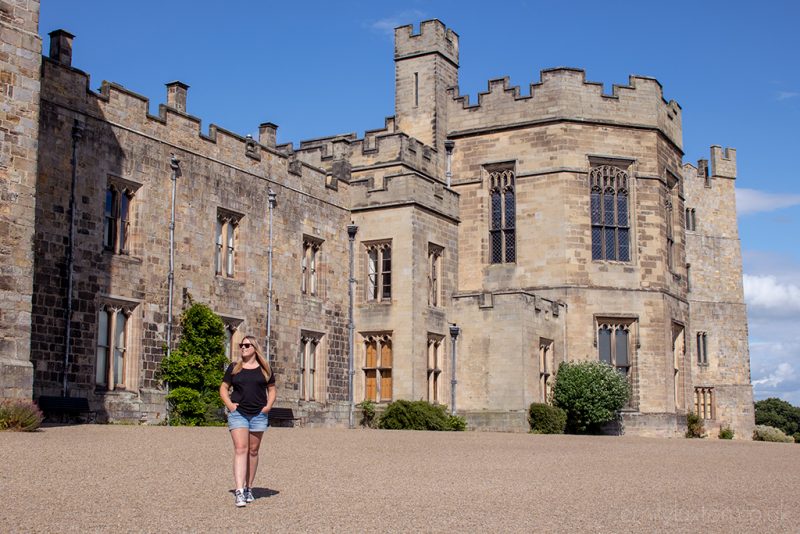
[(94, 478)]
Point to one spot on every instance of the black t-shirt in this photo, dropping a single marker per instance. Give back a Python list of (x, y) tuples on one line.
[(249, 389)]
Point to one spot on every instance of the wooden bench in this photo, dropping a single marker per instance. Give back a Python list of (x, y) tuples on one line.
[(64, 407), (283, 416)]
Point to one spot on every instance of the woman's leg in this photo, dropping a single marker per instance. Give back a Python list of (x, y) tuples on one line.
[(252, 458), (239, 436)]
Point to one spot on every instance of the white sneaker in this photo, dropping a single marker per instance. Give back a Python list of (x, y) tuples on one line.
[(239, 498), (248, 495)]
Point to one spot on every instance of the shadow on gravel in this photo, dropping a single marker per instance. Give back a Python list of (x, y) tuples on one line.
[(260, 493)]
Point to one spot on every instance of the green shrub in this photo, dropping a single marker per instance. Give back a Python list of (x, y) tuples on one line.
[(769, 433), (419, 415), (797, 437), (195, 368), (456, 423), (591, 393), (779, 414), (19, 415), (726, 432), (367, 413), (546, 419), (694, 426)]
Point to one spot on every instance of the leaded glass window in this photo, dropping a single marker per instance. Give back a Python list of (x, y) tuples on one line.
[(502, 230), (609, 210)]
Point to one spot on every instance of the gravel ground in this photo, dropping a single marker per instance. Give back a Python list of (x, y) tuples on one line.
[(155, 479)]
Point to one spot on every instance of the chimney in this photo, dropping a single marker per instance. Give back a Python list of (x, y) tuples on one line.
[(268, 134), (176, 95), (61, 47)]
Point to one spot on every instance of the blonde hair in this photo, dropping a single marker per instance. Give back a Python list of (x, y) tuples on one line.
[(237, 358)]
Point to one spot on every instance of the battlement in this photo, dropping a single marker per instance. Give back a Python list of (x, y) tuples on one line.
[(64, 85), (564, 93), (433, 38), (723, 162)]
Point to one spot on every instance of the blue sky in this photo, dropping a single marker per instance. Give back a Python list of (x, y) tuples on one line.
[(319, 68)]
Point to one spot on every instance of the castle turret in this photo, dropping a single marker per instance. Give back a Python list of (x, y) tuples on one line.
[(426, 65)]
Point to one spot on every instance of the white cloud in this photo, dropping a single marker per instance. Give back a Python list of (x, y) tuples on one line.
[(785, 372), (768, 292), (784, 95), (387, 25), (753, 201)]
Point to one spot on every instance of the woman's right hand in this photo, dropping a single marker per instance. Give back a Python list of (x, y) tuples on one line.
[(233, 406)]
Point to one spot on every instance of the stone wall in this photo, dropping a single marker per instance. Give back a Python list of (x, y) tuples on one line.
[(20, 52)]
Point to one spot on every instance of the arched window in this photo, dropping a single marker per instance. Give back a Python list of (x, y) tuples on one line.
[(609, 208), (502, 231)]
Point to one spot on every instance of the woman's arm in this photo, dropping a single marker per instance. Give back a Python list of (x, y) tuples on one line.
[(225, 395), (272, 393)]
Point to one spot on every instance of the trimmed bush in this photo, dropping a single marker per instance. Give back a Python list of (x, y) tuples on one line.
[(797, 437), (546, 419), (195, 368), (769, 433), (726, 432), (591, 393), (419, 415), (694, 426), (20, 415)]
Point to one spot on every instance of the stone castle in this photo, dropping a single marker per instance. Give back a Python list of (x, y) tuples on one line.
[(488, 241)]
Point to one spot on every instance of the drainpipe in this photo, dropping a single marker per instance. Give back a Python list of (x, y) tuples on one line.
[(175, 165), (272, 198), (454, 331), (352, 229), (448, 147), (77, 134)]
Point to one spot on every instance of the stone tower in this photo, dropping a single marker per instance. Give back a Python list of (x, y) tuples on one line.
[(19, 133), (426, 65), (718, 340)]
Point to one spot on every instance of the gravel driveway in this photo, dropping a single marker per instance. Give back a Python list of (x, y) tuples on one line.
[(156, 479)]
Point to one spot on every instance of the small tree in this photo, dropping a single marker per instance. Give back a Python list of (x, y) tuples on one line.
[(590, 392), (195, 368), (779, 414)]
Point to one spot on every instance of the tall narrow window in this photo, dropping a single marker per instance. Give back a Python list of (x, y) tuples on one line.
[(609, 207), (702, 348), (112, 340), (378, 368), (678, 358), (309, 360), (502, 228), (379, 271), (704, 402), (225, 243), (614, 343), (434, 274), (545, 369), (691, 220), (116, 222), (434, 368), (416, 89), (670, 235), (310, 259)]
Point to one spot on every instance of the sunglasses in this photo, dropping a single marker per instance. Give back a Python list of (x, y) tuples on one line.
[(245, 345)]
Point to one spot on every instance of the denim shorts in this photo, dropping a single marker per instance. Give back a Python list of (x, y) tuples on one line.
[(254, 423)]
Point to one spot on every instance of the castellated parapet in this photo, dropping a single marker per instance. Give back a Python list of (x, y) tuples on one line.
[(433, 37), (564, 94), (70, 87)]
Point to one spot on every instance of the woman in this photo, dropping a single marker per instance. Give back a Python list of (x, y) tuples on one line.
[(252, 397)]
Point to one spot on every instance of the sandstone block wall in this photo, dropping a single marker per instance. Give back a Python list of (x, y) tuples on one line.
[(20, 53)]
